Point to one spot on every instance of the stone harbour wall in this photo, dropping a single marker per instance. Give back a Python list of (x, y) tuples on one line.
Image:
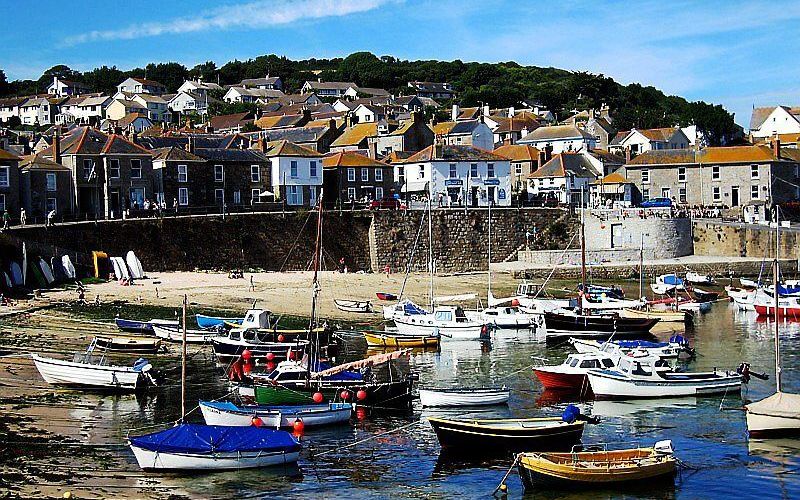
[(736, 239)]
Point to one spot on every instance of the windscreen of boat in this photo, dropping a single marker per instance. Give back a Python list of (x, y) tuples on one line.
[(444, 316), (608, 363), (590, 363), (249, 335)]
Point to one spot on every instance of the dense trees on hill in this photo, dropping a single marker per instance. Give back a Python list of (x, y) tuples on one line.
[(498, 84)]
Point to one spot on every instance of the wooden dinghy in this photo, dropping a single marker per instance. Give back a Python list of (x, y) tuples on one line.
[(91, 372), (503, 435), (464, 396), (376, 339), (596, 468), (357, 306), (128, 344), (230, 414), (175, 334), (663, 315)]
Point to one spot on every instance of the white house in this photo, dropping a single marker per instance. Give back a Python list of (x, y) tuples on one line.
[(296, 172), (560, 138), (63, 88), (198, 87), (368, 113), (328, 89), (268, 83), (639, 141), (9, 107), (564, 177), (141, 86), (241, 94), (470, 133), (39, 111), (356, 92), (185, 102), (455, 175), (157, 109), (766, 122)]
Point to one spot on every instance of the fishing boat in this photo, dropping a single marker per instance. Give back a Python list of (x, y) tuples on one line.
[(464, 396), (667, 283), (450, 322), (699, 279), (230, 414), (89, 371), (787, 306), (384, 339), (595, 325), (493, 436), (594, 469), (175, 334), (134, 326), (646, 376), (213, 447), (675, 348), (663, 315), (703, 295), (386, 296), (210, 322), (571, 374), (128, 344), (778, 414), (235, 342), (743, 298), (356, 306)]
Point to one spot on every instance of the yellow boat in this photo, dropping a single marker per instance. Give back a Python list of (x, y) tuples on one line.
[(596, 468), (663, 315), (393, 340)]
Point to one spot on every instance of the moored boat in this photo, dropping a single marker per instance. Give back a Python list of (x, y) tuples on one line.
[(591, 325), (450, 322), (208, 322), (383, 339), (663, 316), (135, 326), (591, 469), (91, 372), (175, 334), (775, 416), (385, 296), (235, 342), (464, 396), (571, 374), (696, 278), (677, 346), (357, 306), (228, 413), (128, 344)]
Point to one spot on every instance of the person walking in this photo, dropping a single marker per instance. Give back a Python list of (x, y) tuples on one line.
[(50, 216), (22, 216), (6, 219)]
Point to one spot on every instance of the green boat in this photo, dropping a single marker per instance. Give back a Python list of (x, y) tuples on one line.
[(279, 395)]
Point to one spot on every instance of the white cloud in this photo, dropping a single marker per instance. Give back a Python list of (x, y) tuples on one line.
[(252, 15)]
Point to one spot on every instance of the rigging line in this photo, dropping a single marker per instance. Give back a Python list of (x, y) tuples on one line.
[(411, 259), (552, 271), (296, 240), (390, 431)]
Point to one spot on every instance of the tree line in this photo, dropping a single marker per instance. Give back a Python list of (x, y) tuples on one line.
[(498, 84)]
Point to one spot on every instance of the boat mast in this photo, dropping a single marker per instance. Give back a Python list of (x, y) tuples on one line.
[(313, 336), (583, 257), (775, 282), (430, 247), (641, 267), (489, 265), (183, 360)]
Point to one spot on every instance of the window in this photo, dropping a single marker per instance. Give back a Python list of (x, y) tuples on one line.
[(88, 167), (754, 171), (421, 171), (312, 166), (237, 197), (645, 176), (715, 193), (682, 195), (473, 170), (113, 168), (183, 173), (364, 174), (183, 196), (351, 174), (219, 196), (137, 196), (255, 196), (51, 181), (295, 195), (5, 179), (401, 175), (453, 171), (219, 173), (645, 194), (715, 173), (2, 203), (293, 169), (351, 194), (754, 192), (136, 169), (378, 193), (518, 168), (255, 173), (490, 170), (51, 204), (379, 175), (682, 174), (665, 192)]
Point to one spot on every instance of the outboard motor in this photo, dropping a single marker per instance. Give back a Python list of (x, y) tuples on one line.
[(664, 447), (147, 375), (572, 414), (684, 343), (744, 371)]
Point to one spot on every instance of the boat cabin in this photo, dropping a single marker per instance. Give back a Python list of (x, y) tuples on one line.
[(590, 361), (256, 318), (528, 289), (450, 314), (642, 366)]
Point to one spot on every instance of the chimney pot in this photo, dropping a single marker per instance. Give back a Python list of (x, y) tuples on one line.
[(776, 148), (455, 112)]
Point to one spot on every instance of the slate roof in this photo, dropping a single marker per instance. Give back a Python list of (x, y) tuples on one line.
[(454, 152), (372, 91), (5, 155), (556, 132), (175, 153), (296, 134), (430, 86), (254, 82), (331, 85), (41, 163), (286, 148), (759, 115), (238, 155), (564, 164), (180, 141), (152, 83), (618, 138), (90, 141), (515, 123), (351, 159), (230, 121), (607, 157)]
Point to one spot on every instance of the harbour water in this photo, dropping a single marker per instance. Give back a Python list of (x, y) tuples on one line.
[(397, 455)]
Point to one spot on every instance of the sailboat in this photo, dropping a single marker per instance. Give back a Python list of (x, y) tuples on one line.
[(778, 414)]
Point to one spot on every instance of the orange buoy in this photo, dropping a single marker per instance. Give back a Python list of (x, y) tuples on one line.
[(361, 395), (281, 338), (298, 426), (345, 395), (257, 422), (246, 354), (317, 397)]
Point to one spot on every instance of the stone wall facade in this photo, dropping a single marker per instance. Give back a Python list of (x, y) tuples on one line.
[(662, 238), (744, 240)]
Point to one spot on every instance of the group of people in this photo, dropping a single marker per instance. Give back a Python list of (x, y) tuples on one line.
[(150, 208), (23, 218)]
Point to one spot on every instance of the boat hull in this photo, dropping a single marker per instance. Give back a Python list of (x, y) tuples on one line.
[(138, 346), (416, 327), (176, 335), (610, 386), (598, 324), (223, 348), (561, 381), (60, 372), (278, 417), (394, 395), (476, 397), (207, 322), (152, 460), (383, 340), (468, 438)]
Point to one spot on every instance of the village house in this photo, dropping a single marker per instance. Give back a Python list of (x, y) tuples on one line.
[(613, 190), (9, 108), (317, 136), (132, 122), (269, 122), (765, 122), (468, 133), (410, 103), (190, 102), (62, 88), (45, 186), (268, 83), (565, 177), (141, 86), (231, 123), (411, 136), (602, 129), (433, 90), (720, 176), (296, 172), (109, 173), (454, 175), (328, 89), (181, 176), (242, 94), (350, 176), (355, 138), (199, 87), (9, 183), (525, 160), (346, 105), (117, 109), (361, 92), (560, 139), (232, 177), (40, 111), (634, 141), (510, 129)]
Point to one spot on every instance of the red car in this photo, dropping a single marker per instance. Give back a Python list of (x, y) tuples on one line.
[(388, 203)]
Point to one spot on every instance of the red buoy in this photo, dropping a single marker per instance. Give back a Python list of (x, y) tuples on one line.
[(345, 395), (270, 356), (270, 365), (281, 338), (361, 413), (361, 395), (515, 303), (247, 367), (318, 397), (290, 355), (298, 426), (257, 421), (246, 354)]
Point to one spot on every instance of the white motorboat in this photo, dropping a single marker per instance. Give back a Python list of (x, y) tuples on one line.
[(650, 377), (230, 414), (699, 279), (175, 334), (694, 306), (673, 349), (449, 322), (464, 396), (543, 305), (744, 299), (502, 317), (89, 371), (571, 374), (666, 283), (357, 306), (610, 304)]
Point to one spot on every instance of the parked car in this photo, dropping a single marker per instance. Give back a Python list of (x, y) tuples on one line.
[(387, 203), (544, 200), (656, 203)]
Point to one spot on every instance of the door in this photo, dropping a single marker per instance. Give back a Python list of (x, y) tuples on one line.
[(312, 196), (616, 235), (474, 196), (734, 196), (492, 190), (114, 201)]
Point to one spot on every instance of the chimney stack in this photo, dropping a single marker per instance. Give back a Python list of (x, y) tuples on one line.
[(57, 146), (776, 148), (485, 111), (548, 152), (454, 114), (190, 144), (627, 155)]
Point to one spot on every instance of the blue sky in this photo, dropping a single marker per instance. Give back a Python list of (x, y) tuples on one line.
[(737, 53)]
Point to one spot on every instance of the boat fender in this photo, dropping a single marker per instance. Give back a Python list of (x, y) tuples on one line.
[(664, 447), (485, 332)]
